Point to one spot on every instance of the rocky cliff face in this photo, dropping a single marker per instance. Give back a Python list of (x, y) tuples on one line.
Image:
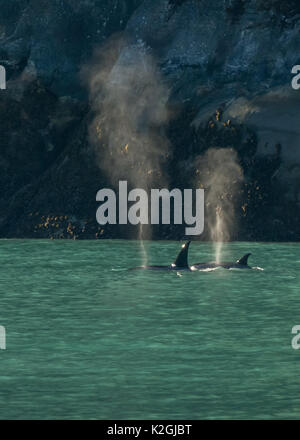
[(227, 67)]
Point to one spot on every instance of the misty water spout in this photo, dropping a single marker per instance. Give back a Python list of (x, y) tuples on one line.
[(129, 99), (218, 234), (221, 176)]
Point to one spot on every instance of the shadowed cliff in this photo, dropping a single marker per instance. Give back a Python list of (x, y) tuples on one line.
[(227, 67)]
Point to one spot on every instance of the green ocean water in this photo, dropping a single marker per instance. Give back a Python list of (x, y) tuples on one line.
[(86, 338)]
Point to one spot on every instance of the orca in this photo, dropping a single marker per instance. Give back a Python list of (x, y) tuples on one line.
[(242, 263), (181, 262)]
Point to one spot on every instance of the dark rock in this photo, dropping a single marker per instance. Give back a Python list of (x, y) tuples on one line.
[(228, 67)]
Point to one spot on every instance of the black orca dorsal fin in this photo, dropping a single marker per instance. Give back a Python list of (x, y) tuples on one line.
[(182, 257), (244, 260)]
